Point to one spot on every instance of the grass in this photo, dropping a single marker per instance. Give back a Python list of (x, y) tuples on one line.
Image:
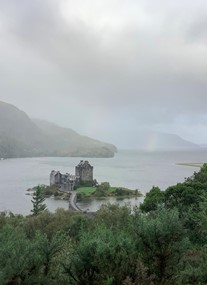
[(191, 164), (86, 190), (112, 191)]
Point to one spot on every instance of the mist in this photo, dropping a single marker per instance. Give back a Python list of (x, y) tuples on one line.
[(108, 69)]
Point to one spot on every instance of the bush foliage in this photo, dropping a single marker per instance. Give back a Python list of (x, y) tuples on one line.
[(162, 243)]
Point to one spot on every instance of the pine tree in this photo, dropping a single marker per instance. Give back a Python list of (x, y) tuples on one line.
[(38, 199)]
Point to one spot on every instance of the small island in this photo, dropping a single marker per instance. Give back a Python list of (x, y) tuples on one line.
[(83, 185)]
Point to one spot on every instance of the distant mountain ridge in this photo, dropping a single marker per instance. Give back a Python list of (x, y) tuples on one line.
[(72, 140), (154, 141), (22, 137)]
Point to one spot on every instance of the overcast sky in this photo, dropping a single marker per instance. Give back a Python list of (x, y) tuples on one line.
[(108, 68)]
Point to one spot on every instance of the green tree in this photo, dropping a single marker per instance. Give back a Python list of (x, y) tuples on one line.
[(194, 267), (200, 176), (102, 189), (113, 216), (102, 257), (153, 199), (161, 243), (38, 201), (33, 261), (52, 252), (185, 195), (18, 257)]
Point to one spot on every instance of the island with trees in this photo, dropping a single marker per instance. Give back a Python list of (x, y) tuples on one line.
[(83, 185), (101, 190)]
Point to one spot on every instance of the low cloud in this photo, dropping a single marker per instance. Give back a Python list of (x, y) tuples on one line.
[(128, 65)]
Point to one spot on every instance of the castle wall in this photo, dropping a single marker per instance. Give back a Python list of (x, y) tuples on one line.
[(55, 178), (85, 171)]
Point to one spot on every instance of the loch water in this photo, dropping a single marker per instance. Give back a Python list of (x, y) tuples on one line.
[(131, 169)]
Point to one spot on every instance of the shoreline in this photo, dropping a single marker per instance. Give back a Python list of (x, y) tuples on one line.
[(57, 194), (190, 164)]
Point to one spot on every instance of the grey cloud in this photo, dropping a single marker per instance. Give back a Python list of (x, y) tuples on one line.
[(197, 31), (138, 73)]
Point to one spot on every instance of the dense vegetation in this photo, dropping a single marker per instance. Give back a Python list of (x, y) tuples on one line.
[(162, 243)]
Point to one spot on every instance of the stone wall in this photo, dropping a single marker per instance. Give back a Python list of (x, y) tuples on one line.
[(84, 171)]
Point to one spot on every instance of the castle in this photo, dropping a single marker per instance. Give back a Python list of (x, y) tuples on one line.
[(84, 171), (83, 174)]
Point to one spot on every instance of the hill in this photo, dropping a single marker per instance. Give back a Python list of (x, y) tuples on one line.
[(22, 137), (154, 141), (72, 143)]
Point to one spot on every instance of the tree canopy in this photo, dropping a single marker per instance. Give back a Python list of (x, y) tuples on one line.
[(162, 243)]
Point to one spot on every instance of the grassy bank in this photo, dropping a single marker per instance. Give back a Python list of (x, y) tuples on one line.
[(199, 164), (49, 191), (105, 190)]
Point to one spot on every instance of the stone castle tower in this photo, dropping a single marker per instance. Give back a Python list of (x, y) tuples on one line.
[(84, 171)]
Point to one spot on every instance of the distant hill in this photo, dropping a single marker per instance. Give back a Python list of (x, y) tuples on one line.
[(22, 137), (203, 145), (154, 141), (70, 143)]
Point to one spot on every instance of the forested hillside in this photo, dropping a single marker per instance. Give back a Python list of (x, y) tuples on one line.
[(22, 137), (162, 243)]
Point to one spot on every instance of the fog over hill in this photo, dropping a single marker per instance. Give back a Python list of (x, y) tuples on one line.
[(108, 69), (155, 141), (22, 137)]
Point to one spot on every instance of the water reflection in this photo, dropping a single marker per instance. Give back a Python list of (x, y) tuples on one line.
[(92, 205)]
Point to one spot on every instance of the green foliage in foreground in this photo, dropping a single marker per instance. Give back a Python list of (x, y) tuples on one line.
[(163, 243)]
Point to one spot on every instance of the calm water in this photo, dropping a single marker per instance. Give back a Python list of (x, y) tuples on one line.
[(132, 169)]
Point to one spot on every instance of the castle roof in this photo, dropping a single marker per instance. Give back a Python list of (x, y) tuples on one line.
[(53, 172), (83, 163)]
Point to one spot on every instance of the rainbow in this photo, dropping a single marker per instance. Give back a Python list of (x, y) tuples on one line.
[(152, 142)]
